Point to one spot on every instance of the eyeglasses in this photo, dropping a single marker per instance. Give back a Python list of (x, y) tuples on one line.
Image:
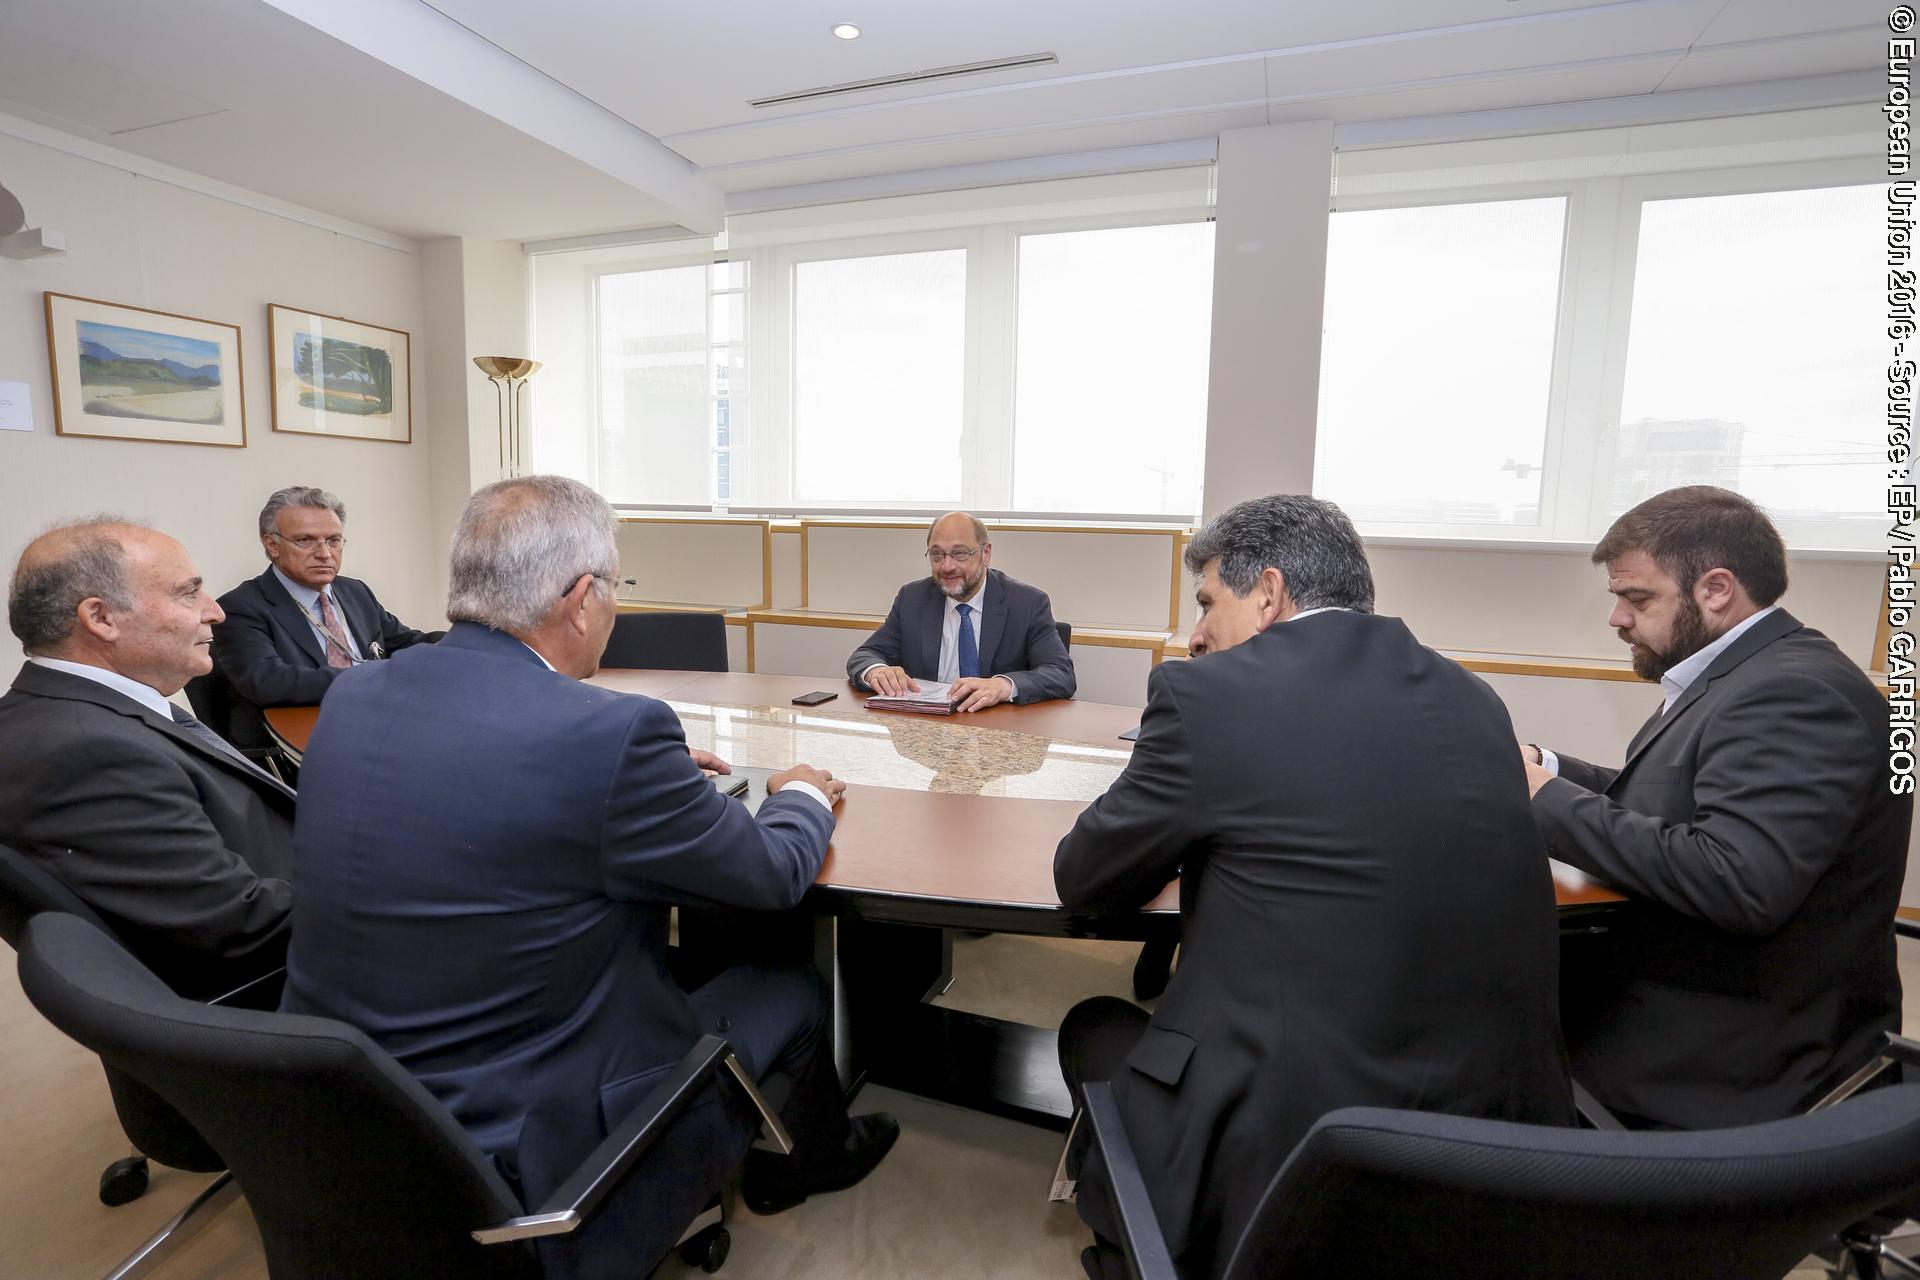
[(959, 555), (307, 542)]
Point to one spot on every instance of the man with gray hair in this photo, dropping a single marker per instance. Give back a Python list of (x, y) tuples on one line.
[(180, 844), (1368, 915), (501, 843), (298, 625)]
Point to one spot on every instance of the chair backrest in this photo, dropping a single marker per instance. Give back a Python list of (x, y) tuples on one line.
[(349, 1166), (1066, 633), (211, 697), (1522, 1201), (668, 642), (27, 889)]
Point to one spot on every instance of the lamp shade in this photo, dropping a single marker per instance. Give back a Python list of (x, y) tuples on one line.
[(506, 366)]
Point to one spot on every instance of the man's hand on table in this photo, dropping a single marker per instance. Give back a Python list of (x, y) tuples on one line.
[(892, 681), (977, 693), (819, 779), (1538, 774), (709, 762)]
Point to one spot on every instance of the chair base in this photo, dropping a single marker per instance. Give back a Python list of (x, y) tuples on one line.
[(167, 1241), (123, 1181)]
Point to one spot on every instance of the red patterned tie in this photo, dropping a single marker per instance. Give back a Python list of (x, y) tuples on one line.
[(338, 655)]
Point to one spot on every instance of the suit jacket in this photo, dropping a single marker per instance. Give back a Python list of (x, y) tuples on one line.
[(181, 848), (1367, 915), (269, 654), (488, 851), (1754, 826), (1018, 638)]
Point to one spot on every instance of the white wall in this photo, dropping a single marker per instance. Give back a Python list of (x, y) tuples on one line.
[(145, 243)]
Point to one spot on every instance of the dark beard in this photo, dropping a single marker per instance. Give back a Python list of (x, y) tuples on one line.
[(1690, 636)]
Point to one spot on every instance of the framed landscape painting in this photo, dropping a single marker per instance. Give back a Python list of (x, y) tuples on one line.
[(339, 377), (127, 373)]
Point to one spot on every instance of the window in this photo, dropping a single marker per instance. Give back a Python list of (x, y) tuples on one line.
[(879, 379), (1437, 361), (1110, 367), (1749, 363), (1040, 348), (1526, 336), (671, 383)]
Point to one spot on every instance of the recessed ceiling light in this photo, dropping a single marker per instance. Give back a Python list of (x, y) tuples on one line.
[(847, 31)]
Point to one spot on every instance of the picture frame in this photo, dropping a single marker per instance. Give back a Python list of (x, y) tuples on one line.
[(132, 373), (332, 376)]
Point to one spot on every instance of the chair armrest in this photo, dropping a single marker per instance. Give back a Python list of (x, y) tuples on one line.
[(574, 1201), (1904, 928), (261, 994), (1592, 1110), (1902, 1050), (1146, 1248)]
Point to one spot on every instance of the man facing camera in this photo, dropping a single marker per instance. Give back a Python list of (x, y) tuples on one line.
[(488, 851), (1753, 824), (1368, 920), (969, 625), (180, 844), (289, 632)]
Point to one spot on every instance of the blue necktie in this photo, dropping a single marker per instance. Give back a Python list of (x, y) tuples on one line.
[(969, 647)]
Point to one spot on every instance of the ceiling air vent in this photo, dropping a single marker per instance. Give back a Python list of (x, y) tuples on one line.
[(909, 77)]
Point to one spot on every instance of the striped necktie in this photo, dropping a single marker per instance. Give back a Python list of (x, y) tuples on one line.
[(338, 654), (202, 733)]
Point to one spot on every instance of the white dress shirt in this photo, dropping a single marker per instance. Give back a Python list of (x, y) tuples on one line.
[(950, 640), (144, 694), (1681, 675), (309, 601)]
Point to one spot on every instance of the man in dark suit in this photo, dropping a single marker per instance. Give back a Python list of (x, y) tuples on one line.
[(488, 850), (289, 632), (1368, 919), (969, 625), (1753, 824), (177, 841)]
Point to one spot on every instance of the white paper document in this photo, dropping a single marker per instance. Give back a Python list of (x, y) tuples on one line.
[(16, 407), (934, 698)]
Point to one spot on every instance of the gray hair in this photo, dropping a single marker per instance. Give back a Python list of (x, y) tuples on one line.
[(81, 559), (299, 495), (1311, 542), (521, 545)]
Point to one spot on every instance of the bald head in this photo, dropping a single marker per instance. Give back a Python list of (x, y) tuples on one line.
[(107, 593), (958, 554)]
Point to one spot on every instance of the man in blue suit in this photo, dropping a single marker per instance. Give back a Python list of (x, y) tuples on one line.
[(488, 851), (967, 624)]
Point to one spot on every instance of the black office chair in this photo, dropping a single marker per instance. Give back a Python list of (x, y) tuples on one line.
[(350, 1167), (1066, 634), (212, 698), (1486, 1197), (668, 642)]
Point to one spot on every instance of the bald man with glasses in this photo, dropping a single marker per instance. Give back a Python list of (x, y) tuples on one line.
[(294, 628), (967, 624)]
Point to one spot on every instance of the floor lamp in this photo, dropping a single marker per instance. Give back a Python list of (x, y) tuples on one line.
[(508, 375)]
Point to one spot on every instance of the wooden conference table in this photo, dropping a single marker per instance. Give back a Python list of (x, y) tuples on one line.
[(948, 822)]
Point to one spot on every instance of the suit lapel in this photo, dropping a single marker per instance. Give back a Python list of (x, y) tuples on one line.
[(356, 614), (994, 596), (1762, 634), (292, 619), (933, 617), (45, 683)]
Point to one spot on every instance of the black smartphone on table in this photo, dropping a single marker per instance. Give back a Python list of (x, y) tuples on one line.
[(815, 698)]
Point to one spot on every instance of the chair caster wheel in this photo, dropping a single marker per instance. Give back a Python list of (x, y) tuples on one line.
[(707, 1249), (124, 1181)]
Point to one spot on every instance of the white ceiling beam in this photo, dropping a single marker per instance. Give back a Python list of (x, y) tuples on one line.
[(419, 41)]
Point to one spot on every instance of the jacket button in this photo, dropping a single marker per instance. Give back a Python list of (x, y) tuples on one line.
[(723, 1025)]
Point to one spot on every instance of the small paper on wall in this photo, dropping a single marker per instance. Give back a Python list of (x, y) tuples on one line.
[(16, 407)]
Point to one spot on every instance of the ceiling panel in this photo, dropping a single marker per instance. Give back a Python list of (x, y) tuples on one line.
[(1172, 92), (68, 82), (1740, 64), (1759, 19)]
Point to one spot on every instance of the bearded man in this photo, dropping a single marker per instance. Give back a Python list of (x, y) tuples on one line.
[(1754, 825)]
